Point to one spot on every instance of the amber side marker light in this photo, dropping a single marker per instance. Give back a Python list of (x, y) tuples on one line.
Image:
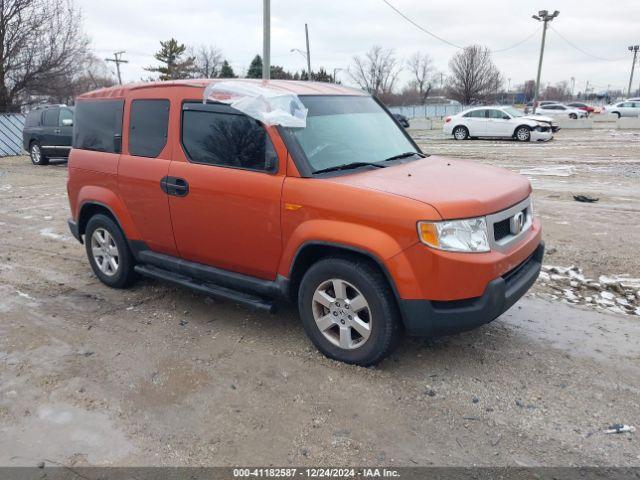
[(429, 234), (292, 207)]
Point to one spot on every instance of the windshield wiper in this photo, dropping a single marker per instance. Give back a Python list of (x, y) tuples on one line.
[(349, 166), (404, 155)]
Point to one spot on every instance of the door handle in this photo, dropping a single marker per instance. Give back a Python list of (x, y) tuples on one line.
[(57, 130), (175, 186)]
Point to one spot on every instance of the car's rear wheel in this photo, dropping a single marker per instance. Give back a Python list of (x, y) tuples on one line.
[(573, 116), (108, 252), (460, 133), (348, 311), (37, 157), (617, 114), (523, 134)]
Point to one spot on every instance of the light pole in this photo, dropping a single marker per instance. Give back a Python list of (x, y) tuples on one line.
[(306, 34), (634, 49), (573, 86), (266, 39), (545, 17)]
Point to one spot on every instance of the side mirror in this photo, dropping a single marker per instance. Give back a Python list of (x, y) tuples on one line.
[(67, 122), (506, 117)]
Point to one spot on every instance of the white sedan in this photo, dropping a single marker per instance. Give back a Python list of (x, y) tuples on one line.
[(628, 108), (499, 122), (558, 110)]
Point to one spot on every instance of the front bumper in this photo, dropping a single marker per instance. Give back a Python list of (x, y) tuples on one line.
[(428, 318), (537, 136)]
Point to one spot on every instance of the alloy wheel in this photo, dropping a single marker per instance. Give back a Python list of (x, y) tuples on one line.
[(460, 133), (342, 314), (36, 154), (523, 134), (105, 252)]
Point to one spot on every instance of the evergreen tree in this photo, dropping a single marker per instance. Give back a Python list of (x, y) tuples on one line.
[(227, 72), (255, 69), (175, 65)]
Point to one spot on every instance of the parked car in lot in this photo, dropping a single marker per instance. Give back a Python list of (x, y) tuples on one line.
[(402, 120), (345, 217), (625, 109), (47, 133), (499, 122), (558, 110), (582, 106)]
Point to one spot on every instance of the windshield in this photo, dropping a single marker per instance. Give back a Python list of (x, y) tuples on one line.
[(513, 112), (342, 130)]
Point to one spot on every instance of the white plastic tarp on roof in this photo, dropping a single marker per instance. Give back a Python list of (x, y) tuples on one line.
[(269, 106)]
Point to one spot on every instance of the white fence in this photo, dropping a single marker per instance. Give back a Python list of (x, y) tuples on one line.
[(427, 111), (11, 125)]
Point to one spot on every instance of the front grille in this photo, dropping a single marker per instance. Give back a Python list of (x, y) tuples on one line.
[(502, 229)]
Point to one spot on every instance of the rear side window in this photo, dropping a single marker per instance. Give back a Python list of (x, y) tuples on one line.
[(65, 114), (148, 123), (51, 117), (497, 114), (98, 125), (477, 114), (227, 140), (33, 118)]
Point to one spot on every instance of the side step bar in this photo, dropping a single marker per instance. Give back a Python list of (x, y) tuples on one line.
[(207, 288)]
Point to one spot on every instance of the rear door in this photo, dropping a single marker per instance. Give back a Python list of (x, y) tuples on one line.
[(50, 131), (143, 164), (224, 188), (64, 133), (477, 122)]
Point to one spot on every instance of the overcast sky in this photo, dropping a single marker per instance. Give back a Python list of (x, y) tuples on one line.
[(340, 29)]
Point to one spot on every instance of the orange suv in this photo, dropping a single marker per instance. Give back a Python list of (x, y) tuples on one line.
[(346, 217)]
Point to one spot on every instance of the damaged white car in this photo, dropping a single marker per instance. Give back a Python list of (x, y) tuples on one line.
[(499, 122)]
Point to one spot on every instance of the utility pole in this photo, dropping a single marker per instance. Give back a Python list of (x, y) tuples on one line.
[(573, 86), (586, 91), (545, 17), (634, 49), (266, 39), (335, 73), (306, 33), (117, 59)]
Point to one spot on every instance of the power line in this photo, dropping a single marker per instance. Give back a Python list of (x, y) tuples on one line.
[(437, 37), (420, 27), (519, 43), (569, 42)]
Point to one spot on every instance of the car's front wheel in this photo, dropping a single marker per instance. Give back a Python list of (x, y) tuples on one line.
[(573, 116), (348, 311), (108, 252), (523, 134), (37, 157), (460, 133)]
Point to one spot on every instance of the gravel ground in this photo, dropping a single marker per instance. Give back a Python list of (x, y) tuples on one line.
[(160, 375)]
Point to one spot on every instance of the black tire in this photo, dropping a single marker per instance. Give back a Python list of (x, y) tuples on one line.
[(522, 134), (384, 320), (573, 116), (37, 157), (124, 275), (463, 133)]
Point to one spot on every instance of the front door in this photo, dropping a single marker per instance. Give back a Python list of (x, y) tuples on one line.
[(499, 124), (224, 187)]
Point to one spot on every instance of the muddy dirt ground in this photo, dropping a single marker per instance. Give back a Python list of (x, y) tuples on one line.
[(158, 375)]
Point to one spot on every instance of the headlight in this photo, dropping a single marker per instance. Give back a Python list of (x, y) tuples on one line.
[(468, 235)]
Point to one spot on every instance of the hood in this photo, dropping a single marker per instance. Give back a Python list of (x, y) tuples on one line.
[(539, 118), (455, 188)]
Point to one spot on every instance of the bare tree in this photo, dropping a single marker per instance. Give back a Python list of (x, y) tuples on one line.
[(377, 72), (474, 77), (421, 67), (207, 61), (92, 74), (41, 43)]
